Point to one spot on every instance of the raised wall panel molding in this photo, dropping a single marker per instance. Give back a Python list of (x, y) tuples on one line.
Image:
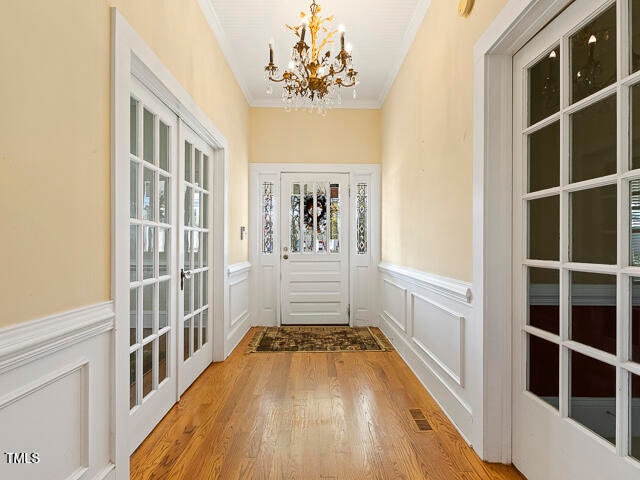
[(238, 294), (29, 341), (395, 309), (238, 268), (454, 289)]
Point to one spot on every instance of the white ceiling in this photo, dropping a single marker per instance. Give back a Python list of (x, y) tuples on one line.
[(380, 31)]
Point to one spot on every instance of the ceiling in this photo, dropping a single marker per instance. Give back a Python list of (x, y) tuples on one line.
[(381, 32)]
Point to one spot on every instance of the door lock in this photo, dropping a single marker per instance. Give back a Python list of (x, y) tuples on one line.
[(184, 274), (285, 256)]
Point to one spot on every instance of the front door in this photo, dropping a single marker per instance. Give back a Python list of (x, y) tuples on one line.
[(315, 249), (576, 332)]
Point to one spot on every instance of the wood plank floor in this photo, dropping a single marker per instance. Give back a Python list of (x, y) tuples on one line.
[(325, 416)]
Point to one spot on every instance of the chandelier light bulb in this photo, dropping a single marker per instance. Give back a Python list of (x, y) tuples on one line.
[(341, 28)]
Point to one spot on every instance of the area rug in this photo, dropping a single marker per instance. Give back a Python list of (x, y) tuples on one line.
[(319, 339)]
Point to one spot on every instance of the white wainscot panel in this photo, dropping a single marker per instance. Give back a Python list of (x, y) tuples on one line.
[(238, 322), (394, 303), (439, 333), (238, 300)]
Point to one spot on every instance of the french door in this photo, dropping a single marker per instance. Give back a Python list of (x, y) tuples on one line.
[(576, 335), (315, 249)]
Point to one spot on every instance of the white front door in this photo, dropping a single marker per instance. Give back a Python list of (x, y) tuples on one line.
[(153, 283), (576, 332), (195, 237), (315, 249)]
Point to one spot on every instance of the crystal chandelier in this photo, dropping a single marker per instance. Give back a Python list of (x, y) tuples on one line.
[(313, 79)]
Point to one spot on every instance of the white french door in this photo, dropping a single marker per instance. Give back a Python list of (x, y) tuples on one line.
[(314, 249), (194, 308), (576, 165), (153, 282)]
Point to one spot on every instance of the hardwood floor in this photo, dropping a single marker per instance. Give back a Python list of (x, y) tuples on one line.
[(325, 416)]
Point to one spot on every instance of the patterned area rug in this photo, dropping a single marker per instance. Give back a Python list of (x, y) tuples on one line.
[(319, 339)]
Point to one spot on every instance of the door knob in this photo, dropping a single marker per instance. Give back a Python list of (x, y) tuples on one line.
[(184, 274), (285, 257)]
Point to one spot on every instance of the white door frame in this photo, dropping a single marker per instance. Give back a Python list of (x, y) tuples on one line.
[(363, 269), (493, 53), (131, 57)]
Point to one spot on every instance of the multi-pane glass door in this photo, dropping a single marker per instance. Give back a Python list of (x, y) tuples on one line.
[(152, 276), (576, 191)]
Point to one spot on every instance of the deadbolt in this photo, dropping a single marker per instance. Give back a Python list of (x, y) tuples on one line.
[(285, 257)]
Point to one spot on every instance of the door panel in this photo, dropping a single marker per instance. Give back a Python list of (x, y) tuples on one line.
[(315, 253)]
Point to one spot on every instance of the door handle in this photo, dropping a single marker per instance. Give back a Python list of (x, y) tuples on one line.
[(285, 256), (184, 274)]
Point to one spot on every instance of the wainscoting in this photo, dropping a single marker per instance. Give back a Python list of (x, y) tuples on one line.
[(239, 318), (55, 396), (425, 317)]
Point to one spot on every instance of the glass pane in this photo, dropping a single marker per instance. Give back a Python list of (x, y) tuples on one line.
[(187, 250), (544, 158), (187, 339), (187, 296), (133, 190), (635, 320), (133, 316), (196, 249), (593, 225), (635, 125), (163, 302), (133, 126), (204, 219), (148, 198), (133, 253), (361, 219), (164, 241), (593, 140), (164, 147), (148, 136), (593, 384), (148, 249), (334, 218), (187, 161), (205, 325), (204, 250), (188, 206), (196, 333), (267, 217), (321, 218), (132, 379), (148, 306), (634, 243), (198, 176), (544, 228), (163, 199), (205, 172), (308, 218), (634, 11), (147, 369), (593, 56), (162, 357), (196, 291), (593, 310), (544, 299), (634, 449), (205, 286), (543, 369), (544, 87), (294, 222), (196, 208)]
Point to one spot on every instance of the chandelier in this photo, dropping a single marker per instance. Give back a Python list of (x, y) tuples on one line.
[(313, 80)]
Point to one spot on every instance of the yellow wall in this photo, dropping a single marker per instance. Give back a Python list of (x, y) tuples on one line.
[(343, 136), (55, 134), (427, 145)]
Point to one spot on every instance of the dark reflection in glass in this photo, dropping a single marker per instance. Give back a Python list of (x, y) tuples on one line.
[(147, 369), (634, 451), (635, 126), (187, 339), (593, 55), (543, 370), (593, 384), (634, 12), (133, 316), (593, 310), (148, 139), (593, 225), (544, 228), (593, 140), (544, 158), (635, 319), (132, 379), (162, 357), (544, 87), (544, 299)]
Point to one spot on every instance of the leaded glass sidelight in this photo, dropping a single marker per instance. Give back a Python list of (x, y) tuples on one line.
[(294, 218), (321, 218), (334, 218), (307, 233), (361, 218), (267, 217)]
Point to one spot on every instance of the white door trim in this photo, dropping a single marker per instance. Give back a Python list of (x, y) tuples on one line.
[(514, 26), (363, 269), (131, 56)]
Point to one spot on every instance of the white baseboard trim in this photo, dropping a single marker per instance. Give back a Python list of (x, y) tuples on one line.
[(448, 287), (29, 341)]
